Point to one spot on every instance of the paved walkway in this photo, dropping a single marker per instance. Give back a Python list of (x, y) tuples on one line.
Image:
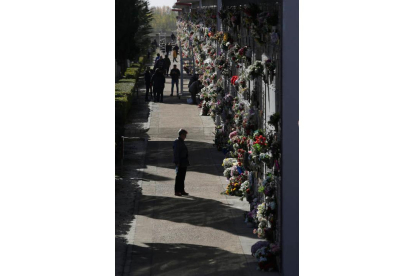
[(200, 234)]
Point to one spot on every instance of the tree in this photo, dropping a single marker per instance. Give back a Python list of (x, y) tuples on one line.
[(164, 19), (132, 26)]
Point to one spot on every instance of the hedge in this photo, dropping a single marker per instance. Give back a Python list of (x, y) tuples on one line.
[(123, 99), (124, 90)]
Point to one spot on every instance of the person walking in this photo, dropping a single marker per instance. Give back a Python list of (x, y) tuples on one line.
[(158, 83), (168, 48), (172, 37), (175, 53), (147, 78), (167, 64), (175, 74), (181, 162), (156, 58)]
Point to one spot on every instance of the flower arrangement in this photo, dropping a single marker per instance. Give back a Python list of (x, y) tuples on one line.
[(233, 188), (229, 162), (265, 253), (255, 70), (260, 144), (245, 189)]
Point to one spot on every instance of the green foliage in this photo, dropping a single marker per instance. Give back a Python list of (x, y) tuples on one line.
[(126, 81), (131, 73), (132, 26), (164, 20)]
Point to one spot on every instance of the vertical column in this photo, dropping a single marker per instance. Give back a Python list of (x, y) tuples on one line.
[(219, 5), (290, 138), (181, 67)]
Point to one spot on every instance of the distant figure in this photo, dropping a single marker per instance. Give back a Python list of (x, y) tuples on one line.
[(181, 162), (154, 43), (172, 37), (168, 48), (156, 59), (167, 64), (175, 53), (158, 83), (175, 74), (147, 78)]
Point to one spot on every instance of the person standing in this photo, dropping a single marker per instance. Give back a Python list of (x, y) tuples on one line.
[(181, 162), (158, 83), (167, 64), (175, 53), (172, 37), (147, 78), (175, 75)]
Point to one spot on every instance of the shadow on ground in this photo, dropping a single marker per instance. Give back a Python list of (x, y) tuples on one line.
[(196, 211), (204, 158), (188, 260)]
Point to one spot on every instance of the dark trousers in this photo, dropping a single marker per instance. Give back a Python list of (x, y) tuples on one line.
[(148, 88), (179, 180), (172, 85), (193, 97), (159, 95)]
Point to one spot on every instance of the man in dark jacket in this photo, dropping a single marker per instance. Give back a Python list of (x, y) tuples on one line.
[(147, 77), (193, 79), (175, 74), (168, 49), (160, 63), (158, 83), (167, 64), (181, 162), (194, 89)]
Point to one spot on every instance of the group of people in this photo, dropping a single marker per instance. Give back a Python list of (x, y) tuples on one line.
[(155, 79)]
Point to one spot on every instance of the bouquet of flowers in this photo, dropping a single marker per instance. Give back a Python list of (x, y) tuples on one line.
[(233, 188), (255, 70), (245, 189), (267, 159), (260, 144), (229, 162), (265, 253)]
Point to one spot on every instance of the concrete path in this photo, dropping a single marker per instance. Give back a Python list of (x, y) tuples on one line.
[(200, 234)]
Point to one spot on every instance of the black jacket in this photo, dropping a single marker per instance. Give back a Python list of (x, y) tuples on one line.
[(180, 153), (175, 74), (167, 63), (147, 77), (158, 80)]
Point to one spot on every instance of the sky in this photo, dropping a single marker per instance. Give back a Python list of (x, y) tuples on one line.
[(154, 3)]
